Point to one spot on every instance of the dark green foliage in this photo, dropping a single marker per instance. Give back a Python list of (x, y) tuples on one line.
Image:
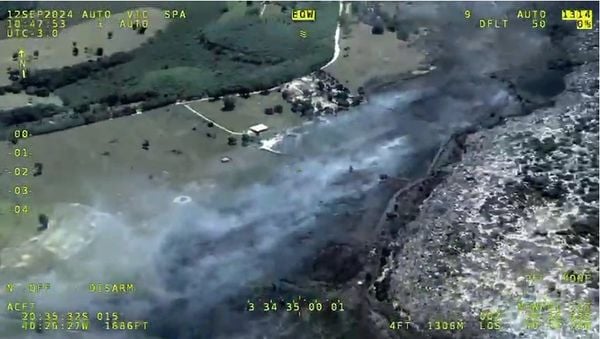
[(123, 111), (278, 109), (81, 108), (53, 78), (111, 99), (378, 26), (14, 88), (42, 92), (214, 58), (43, 220), (29, 113), (268, 111), (38, 168), (158, 102), (341, 95), (228, 104), (231, 141), (99, 51)]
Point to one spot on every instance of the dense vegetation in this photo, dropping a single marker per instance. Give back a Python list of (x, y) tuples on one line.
[(208, 55), (220, 48)]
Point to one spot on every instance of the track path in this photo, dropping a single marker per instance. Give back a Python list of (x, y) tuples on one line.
[(336, 54)]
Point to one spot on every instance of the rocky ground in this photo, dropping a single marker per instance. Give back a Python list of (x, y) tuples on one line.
[(505, 224), (503, 214)]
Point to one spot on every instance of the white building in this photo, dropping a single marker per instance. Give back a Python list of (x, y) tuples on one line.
[(258, 129)]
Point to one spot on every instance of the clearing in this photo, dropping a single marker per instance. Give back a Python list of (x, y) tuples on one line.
[(365, 56), (250, 112)]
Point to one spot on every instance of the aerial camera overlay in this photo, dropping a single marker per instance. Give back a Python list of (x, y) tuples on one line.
[(299, 169)]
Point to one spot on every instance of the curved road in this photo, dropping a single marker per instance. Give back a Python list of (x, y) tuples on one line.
[(336, 54)]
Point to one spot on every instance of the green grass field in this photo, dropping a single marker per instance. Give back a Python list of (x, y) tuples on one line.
[(106, 159), (252, 52), (250, 112)]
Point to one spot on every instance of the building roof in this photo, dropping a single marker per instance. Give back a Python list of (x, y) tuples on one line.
[(259, 128)]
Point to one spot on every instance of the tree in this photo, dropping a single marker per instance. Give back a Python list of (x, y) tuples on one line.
[(75, 51), (81, 108), (268, 111), (377, 28), (38, 167), (278, 109), (109, 35), (228, 103), (231, 141), (112, 99), (99, 51), (14, 88), (245, 140), (341, 96), (43, 220), (36, 54)]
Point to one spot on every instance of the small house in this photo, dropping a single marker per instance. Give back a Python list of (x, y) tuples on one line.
[(258, 129)]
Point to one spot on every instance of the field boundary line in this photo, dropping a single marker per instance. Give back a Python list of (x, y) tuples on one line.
[(212, 121)]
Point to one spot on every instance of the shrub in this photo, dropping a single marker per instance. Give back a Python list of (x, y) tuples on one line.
[(228, 103), (377, 29)]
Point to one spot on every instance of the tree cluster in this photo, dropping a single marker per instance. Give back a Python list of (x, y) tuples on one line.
[(25, 114), (53, 79), (275, 109), (228, 103)]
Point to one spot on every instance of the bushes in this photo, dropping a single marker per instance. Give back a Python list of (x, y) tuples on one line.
[(377, 28), (29, 113), (81, 108), (228, 104), (158, 102), (53, 79), (14, 88), (44, 92)]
